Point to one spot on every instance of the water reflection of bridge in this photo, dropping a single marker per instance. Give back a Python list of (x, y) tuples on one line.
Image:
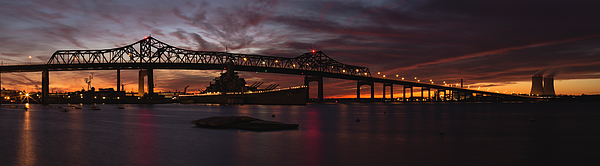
[(149, 54)]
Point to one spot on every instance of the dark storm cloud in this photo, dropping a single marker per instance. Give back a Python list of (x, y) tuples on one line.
[(231, 26), (196, 40)]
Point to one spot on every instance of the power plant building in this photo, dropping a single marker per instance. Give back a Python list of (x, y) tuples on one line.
[(542, 86), (549, 86)]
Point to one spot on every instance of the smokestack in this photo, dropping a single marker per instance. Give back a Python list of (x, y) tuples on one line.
[(536, 85), (549, 86)]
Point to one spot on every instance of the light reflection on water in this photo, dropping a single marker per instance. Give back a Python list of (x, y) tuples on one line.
[(476, 134), (27, 155)]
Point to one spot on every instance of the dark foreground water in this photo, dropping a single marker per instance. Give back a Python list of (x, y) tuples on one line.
[(408, 134)]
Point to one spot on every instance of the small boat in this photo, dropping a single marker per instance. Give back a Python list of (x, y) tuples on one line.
[(119, 107), (94, 108), (11, 106), (242, 122)]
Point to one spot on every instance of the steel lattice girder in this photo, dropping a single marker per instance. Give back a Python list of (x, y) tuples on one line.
[(152, 51)]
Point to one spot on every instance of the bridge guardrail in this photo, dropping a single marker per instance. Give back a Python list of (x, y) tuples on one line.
[(22, 64)]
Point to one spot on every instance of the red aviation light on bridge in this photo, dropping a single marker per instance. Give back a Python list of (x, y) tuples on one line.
[(313, 51), (145, 37)]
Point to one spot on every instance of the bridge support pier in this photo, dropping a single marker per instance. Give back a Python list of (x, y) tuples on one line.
[(146, 72), (118, 80), (444, 97), (391, 90), (404, 93), (428, 93), (141, 76), (361, 83), (319, 80), (45, 88), (150, 82)]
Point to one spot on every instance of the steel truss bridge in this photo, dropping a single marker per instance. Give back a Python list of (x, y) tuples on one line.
[(149, 53)]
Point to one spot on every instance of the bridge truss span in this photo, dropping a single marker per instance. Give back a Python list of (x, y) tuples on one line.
[(152, 51)]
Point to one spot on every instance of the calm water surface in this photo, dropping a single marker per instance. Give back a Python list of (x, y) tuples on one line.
[(407, 134)]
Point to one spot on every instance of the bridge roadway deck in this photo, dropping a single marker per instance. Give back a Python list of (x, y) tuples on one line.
[(191, 66)]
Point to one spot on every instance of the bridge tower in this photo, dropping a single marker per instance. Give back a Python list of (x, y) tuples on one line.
[(319, 80)]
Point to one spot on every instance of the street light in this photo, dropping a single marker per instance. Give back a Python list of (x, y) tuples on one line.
[(30, 59)]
